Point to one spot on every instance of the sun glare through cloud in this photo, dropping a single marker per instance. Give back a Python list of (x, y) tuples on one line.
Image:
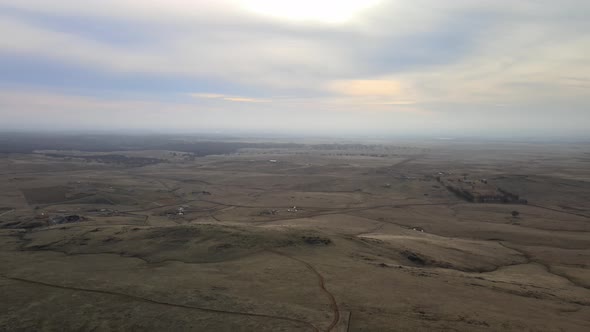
[(328, 11)]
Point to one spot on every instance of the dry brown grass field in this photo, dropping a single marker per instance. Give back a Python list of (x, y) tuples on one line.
[(310, 237)]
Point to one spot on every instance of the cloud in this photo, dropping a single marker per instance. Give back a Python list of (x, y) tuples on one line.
[(246, 100), (39, 110), (372, 92), (367, 87), (208, 95), (230, 98), (396, 57)]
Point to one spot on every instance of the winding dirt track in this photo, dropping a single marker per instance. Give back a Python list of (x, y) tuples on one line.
[(322, 285), (7, 212), (147, 300), (558, 210), (547, 267)]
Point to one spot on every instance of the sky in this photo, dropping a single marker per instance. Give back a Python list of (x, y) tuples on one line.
[(334, 67)]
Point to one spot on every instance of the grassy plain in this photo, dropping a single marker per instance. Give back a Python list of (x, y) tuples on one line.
[(302, 237)]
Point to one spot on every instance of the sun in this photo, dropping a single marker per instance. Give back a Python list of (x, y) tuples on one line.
[(328, 11)]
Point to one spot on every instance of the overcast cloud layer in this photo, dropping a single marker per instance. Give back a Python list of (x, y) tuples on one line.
[(451, 67)]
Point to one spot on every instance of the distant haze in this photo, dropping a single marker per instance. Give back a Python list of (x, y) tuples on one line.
[(361, 67)]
